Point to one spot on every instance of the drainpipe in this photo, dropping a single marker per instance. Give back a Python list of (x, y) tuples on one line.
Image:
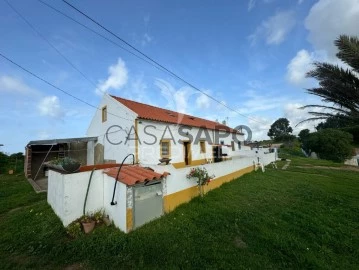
[(118, 173), (87, 191)]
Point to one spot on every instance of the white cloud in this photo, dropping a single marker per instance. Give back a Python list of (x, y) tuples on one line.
[(328, 19), (203, 101), (50, 106), (251, 4), (275, 29), (296, 115), (14, 85), (146, 39), (177, 100), (259, 102), (259, 127), (138, 89), (118, 76), (301, 64)]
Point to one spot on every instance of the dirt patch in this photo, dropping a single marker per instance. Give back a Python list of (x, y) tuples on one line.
[(75, 266), (239, 243), (316, 174), (21, 259), (15, 209), (343, 168)]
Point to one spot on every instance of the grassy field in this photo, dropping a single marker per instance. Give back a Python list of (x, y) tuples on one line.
[(303, 219)]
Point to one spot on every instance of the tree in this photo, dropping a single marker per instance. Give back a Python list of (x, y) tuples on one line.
[(280, 130), (14, 162), (338, 87), (331, 144), (303, 135), (336, 121), (4, 162)]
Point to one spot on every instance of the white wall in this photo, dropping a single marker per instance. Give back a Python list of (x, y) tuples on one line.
[(117, 213), (66, 194), (55, 193), (150, 134), (177, 180), (117, 115)]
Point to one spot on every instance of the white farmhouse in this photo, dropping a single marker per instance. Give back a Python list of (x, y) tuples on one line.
[(159, 147), (124, 126)]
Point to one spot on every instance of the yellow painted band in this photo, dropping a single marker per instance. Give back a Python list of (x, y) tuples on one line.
[(129, 219), (179, 165), (173, 200)]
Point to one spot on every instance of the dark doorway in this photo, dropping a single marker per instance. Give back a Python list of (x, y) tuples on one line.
[(187, 152), (217, 153)]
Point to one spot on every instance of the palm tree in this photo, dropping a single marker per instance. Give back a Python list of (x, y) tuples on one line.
[(338, 86)]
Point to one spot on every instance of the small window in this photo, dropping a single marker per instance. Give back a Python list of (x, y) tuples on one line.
[(222, 142), (232, 144), (202, 145), (239, 145), (165, 149), (104, 114)]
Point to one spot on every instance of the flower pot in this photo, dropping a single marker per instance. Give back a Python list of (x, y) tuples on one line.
[(88, 226), (68, 168), (71, 167)]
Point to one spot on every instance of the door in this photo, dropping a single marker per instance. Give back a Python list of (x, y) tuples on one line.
[(217, 153), (148, 203), (187, 152)]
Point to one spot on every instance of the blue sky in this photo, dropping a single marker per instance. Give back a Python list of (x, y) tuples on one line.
[(251, 55)]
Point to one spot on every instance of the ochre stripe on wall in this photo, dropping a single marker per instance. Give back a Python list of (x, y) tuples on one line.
[(129, 219), (179, 165), (173, 200)]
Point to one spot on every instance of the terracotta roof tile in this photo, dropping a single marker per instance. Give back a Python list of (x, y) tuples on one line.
[(131, 175), (145, 111)]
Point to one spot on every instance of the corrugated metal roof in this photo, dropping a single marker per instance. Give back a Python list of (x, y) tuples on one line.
[(65, 140), (131, 175)]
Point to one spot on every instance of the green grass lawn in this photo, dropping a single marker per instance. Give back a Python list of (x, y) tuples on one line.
[(305, 219)]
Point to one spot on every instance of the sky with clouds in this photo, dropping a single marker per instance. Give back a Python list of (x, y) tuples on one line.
[(250, 55)]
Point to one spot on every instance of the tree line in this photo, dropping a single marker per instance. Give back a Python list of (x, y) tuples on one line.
[(338, 88), (13, 162)]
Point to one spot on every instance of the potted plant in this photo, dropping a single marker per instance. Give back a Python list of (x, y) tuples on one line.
[(88, 223), (98, 216), (65, 164), (203, 178)]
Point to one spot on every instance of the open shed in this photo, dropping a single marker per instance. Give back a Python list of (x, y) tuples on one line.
[(39, 152)]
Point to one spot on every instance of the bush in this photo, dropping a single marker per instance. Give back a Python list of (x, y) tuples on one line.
[(331, 144), (291, 149)]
